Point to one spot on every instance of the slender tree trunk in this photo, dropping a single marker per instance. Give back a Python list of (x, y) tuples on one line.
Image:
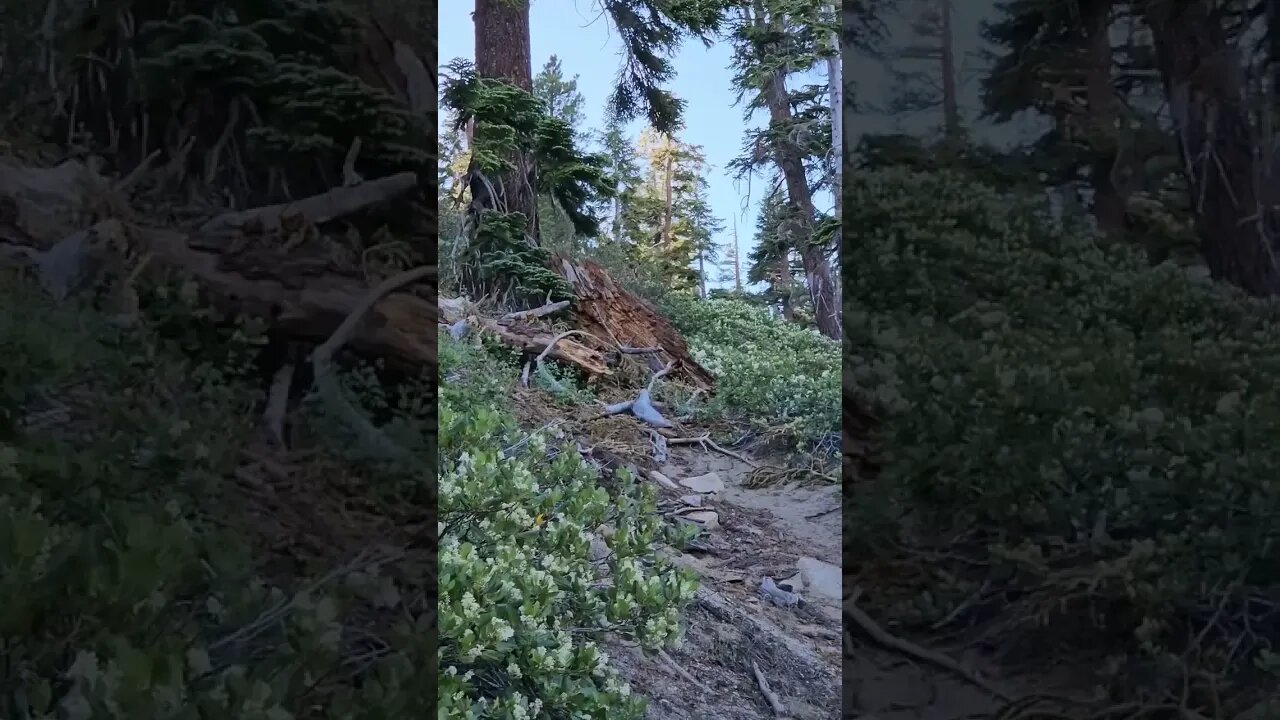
[(836, 80), (702, 277), (667, 195), (783, 288), (1202, 80), (502, 53), (737, 266), (950, 96), (617, 218), (1108, 200)]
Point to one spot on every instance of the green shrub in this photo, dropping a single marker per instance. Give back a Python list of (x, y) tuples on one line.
[(123, 591), (1093, 422), (522, 604), (768, 372)]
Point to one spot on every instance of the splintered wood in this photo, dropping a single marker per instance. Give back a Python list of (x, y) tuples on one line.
[(611, 313), (516, 331)]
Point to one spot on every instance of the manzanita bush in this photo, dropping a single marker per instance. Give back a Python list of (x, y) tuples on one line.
[(769, 373), (1082, 416), (524, 599)]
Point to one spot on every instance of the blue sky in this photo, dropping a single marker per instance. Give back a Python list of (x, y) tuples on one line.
[(587, 46)]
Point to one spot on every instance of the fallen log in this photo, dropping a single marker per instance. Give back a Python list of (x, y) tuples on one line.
[(516, 332), (297, 291), (608, 311)]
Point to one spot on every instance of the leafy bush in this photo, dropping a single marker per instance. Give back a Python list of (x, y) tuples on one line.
[(1105, 430), (523, 596), (768, 372), (123, 591)]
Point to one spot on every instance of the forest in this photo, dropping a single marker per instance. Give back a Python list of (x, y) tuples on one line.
[(639, 366), (1059, 340)]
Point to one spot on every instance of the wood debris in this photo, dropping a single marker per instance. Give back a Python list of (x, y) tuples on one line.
[(299, 291), (606, 310)]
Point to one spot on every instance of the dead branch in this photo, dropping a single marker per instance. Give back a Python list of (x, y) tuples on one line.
[(213, 159), (542, 370), (371, 437), (125, 184), (642, 406), (706, 442), (906, 647), (671, 662), (322, 208), (349, 175), (278, 403), (774, 701), (537, 312)]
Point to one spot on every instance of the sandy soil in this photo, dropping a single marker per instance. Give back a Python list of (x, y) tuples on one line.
[(732, 631)]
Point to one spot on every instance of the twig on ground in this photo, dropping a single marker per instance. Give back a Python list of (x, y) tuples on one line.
[(671, 662), (906, 647), (824, 513), (774, 701), (706, 442), (962, 607)]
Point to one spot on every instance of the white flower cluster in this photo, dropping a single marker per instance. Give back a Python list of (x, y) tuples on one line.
[(521, 606)]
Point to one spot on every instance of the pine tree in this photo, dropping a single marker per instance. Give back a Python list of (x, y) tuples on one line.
[(732, 258), (932, 45), (773, 40), (667, 222), (560, 94), (624, 173)]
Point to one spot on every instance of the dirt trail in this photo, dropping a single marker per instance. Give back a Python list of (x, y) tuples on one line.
[(769, 532), (774, 532)]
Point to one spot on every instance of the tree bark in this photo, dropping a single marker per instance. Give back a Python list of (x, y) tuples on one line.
[(950, 96), (737, 266), (502, 42), (667, 193), (502, 53), (822, 291), (835, 79), (783, 287), (1202, 79), (817, 271), (1108, 200)]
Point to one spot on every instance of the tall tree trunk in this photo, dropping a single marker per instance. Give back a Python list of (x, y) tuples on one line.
[(817, 271), (702, 276), (783, 288), (617, 217), (1202, 80), (737, 266), (667, 195), (1108, 200), (502, 53), (836, 80), (822, 291), (950, 96)]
